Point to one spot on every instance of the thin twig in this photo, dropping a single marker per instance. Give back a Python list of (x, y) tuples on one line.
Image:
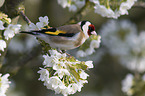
[(25, 17)]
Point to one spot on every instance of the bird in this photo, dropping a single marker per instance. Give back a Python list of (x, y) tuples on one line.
[(65, 37)]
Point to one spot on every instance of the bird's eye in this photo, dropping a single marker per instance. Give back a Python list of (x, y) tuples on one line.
[(91, 28)]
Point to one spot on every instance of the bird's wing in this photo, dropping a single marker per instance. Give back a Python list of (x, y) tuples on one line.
[(74, 28), (64, 31)]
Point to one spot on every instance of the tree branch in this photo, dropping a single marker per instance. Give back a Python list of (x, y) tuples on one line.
[(25, 17)]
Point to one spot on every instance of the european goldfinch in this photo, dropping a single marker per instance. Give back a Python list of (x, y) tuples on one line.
[(65, 37)]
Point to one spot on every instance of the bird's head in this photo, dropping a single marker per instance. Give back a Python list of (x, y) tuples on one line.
[(87, 28)]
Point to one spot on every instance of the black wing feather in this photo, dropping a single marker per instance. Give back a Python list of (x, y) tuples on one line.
[(43, 31)]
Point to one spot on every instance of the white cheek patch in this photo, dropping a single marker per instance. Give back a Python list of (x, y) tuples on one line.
[(85, 29), (93, 33)]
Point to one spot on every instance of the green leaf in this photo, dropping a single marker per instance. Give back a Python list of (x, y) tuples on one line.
[(73, 72), (81, 66)]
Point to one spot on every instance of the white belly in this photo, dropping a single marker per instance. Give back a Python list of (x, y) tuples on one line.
[(60, 45)]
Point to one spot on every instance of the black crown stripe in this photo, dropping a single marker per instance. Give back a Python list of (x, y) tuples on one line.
[(83, 23)]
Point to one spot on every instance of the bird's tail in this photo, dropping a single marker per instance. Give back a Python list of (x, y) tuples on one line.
[(31, 32), (38, 32)]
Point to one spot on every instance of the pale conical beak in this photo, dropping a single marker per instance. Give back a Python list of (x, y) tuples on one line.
[(93, 33)]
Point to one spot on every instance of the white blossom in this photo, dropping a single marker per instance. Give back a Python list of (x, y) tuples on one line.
[(4, 84), (115, 36), (63, 75), (89, 51), (47, 61), (73, 88), (1, 25), (83, 75), (101, 9), (89, 64), (11, 30), (8, 34), (54, 60), (73, 5), (59, 65), (32, 26), (44, 74), (81, 53), (43, 21), (122, 40), (95, 43), (127, 84), (126, 6), (56, 54), (2, 45), (108, 12), (64, 3), (62, 72), (80, 84), (132, 60), (62, 89), (55, 82)]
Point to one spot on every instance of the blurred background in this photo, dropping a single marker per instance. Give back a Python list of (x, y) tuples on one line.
[(24, 52)]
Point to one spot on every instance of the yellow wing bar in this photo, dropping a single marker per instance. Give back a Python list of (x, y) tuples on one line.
[(55, 33)]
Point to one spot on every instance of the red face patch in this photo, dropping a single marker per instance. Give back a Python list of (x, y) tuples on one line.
[(91, 28)]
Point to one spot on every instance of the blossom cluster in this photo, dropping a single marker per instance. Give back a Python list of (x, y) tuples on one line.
[(127, 84), (63, 74), (130, 84), (43, 21), (9, 32), (4, 84), (104, 8), (107, 11), (122, 40), (73, 5), (94, 43)]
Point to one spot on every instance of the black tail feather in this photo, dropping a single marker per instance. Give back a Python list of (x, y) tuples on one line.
[(31, 32), (37, 32)]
